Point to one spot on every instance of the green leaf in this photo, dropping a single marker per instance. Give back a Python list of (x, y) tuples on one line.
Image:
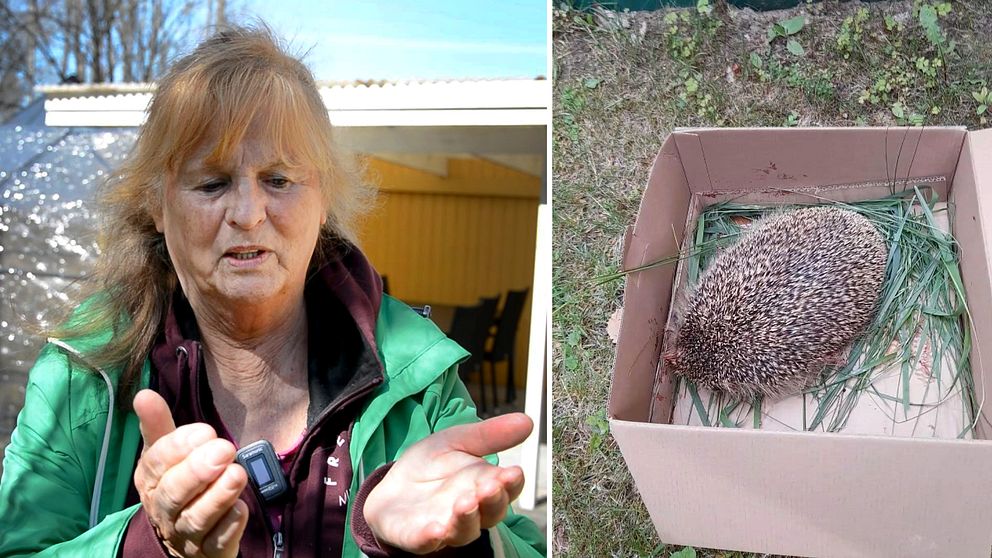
[(574, 338), (928, 16), (591, 83), (792, 25), (687, 552), (595, 442), (943, 8), (691, 85), (725, 420), (980, 96), (981, 109), (756, 60), (571, 363), (898, 111), (928, 21), (597, 423), (697, 403), (694, 259), (795, 48)]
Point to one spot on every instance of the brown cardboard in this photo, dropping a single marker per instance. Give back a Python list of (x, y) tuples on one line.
[(811, 494)]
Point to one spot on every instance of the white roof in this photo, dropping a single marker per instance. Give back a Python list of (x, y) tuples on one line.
[(507, 102)]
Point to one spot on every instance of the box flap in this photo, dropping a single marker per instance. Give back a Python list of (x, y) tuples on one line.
[(747, 159), (654, 236), (978, 154), (693, 160), (972, 202)]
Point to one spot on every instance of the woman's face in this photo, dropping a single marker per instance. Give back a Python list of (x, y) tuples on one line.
[(242, 232)]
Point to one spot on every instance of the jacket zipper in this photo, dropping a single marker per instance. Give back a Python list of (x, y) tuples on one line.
[(287, 517), (278, 542), (190, 366)]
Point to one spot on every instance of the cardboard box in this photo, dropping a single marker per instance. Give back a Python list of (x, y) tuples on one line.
[(804, 493)]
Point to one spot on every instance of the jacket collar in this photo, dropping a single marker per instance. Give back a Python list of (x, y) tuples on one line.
[(347, 283)]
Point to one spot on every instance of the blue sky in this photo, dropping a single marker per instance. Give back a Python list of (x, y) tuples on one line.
[(410, 39)]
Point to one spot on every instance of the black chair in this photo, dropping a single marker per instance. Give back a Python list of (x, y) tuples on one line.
[(505, 340), (470, 329)]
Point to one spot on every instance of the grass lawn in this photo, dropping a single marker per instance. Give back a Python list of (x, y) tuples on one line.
[(622, 82)]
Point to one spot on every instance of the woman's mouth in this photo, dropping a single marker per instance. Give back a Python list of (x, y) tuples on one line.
[(243, 257)]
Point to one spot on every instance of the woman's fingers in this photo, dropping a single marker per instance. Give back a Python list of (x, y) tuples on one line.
[(225, 538), (433, 537), (441, 492), (482, 438), (210, 520), (205, 514), (512, 479), (464, 526), (205, 480), (188, 483), (154, 417), (485, 494), (493, 499), (170, 450)]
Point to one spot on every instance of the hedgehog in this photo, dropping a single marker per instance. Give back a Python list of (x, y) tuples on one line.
[(775, 308)]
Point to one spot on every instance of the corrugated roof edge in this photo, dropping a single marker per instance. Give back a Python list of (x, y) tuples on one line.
[(102, 89)]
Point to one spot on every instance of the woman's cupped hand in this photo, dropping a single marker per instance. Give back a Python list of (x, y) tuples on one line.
[(189, 483), (441, 492)]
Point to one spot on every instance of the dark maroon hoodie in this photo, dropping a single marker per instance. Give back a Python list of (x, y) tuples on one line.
[(343, 301)]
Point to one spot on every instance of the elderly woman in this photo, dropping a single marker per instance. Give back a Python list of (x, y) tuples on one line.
[(231, 295)]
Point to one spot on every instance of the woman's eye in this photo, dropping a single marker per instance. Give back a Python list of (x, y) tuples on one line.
[(279, 181), (212, 186)]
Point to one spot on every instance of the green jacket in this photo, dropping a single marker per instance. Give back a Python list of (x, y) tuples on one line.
[(64, 449)]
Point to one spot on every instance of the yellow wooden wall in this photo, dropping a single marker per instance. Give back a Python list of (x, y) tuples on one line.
[(453, 239)]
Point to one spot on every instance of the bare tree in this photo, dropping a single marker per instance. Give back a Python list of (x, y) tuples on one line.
[(90, 41)]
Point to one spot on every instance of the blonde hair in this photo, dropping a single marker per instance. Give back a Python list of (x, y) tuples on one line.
[(237, 78)]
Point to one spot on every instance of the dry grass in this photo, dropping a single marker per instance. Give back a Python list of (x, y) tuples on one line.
[(617, 91)]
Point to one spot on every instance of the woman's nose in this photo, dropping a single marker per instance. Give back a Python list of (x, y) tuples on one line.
[(248, 205)]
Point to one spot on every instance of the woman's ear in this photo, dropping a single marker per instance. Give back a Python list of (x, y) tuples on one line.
[(154, 205), (157, 217)]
